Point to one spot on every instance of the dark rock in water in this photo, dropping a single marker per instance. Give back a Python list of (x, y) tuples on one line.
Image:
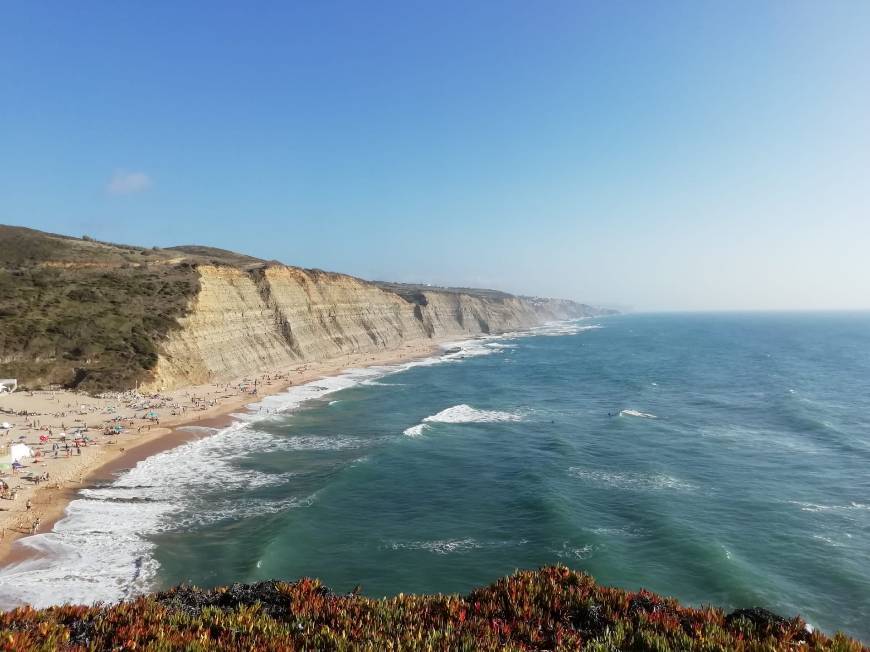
[(452, 350), (762, 620)]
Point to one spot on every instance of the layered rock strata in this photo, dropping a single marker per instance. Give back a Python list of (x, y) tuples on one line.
[(268, 317)]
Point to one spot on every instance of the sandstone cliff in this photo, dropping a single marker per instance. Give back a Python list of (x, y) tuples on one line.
[(270, 316)]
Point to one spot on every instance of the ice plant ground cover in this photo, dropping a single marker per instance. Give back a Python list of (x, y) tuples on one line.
[(553, 608)]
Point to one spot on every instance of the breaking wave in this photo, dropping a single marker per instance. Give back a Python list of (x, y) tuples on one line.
[(635, 413), (415, 431), (467, 414)]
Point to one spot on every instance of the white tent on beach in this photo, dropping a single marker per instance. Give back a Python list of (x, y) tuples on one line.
[(19, 451)]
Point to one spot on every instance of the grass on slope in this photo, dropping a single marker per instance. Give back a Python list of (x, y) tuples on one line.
[(93, 329), (85, 314), (550, 609)]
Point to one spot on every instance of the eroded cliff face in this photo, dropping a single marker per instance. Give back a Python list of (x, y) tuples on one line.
[(243, 321)]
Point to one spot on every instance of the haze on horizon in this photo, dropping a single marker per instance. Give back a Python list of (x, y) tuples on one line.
[(659, 156)]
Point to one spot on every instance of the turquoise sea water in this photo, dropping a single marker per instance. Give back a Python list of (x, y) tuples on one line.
[(718, 458)]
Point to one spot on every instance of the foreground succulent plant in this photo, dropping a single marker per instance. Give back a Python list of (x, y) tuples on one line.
[(550, 609)]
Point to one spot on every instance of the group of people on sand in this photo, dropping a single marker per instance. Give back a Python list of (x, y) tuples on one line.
[(7, 492), (42, 477), (56, 448), (34, 523)]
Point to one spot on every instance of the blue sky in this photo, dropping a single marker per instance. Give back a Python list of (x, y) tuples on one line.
[(669, 155)]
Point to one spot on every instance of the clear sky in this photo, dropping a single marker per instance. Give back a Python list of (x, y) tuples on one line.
[(660, 155)]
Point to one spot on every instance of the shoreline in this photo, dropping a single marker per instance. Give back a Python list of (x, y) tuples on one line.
[(104, 461)]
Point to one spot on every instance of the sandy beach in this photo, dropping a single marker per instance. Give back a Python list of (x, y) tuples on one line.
[(123, 428)]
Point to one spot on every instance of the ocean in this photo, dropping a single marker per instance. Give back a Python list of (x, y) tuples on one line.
[(719, 458)]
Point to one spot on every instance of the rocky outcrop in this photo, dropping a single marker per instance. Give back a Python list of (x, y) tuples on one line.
[(271, 316)]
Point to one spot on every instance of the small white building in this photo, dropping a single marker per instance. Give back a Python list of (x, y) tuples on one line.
[(8, 385)]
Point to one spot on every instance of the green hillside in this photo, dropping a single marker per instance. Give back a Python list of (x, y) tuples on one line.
[(85, 314)]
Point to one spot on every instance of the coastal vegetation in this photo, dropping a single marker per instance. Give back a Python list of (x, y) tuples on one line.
[(83, 314), (553, 608)]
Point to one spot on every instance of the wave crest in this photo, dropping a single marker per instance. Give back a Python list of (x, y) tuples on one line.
[(415, 431), (636, 413), (466, 414)]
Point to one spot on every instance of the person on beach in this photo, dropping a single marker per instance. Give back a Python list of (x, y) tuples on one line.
[(29, 505)]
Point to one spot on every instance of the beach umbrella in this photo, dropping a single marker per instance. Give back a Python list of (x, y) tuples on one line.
[(17, 465)]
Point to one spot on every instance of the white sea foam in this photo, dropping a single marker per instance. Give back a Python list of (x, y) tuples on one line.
[(559, 328), (767, 440), (461, 414), (632, 481), (467, 414), (635, 413), (828, 540), (626, 531), (415, 431), (574, 552), (233, 509), (457, 351), (442, 547), (97, 552), (813, 507), (262, 442), (447, 546)]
